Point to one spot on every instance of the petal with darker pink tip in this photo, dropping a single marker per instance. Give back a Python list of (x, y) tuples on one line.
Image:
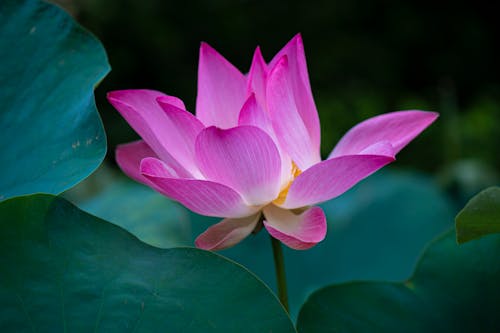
[(227, 233), (257, 77), (288, 125), (129, 157), (222, 89), (201, 196), (331, 178), (299, 80), (297, 231), (397, 128), (141, 110), (244, 158)]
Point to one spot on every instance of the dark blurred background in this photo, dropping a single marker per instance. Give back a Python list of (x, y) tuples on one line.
[(364, 58)]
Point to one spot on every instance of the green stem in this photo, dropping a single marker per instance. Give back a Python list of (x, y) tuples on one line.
[(279, 265)]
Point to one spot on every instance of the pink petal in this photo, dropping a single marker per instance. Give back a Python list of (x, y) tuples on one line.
[(147, 118), (383, 148), (287, 122), (297, 231), (181, 131), (257, 77), (221, 89), (331, 178), (201, 196), (301, 87), (171, 100), (244, 158), (398, 128), (129, 157), (227, 233), (253, 115)]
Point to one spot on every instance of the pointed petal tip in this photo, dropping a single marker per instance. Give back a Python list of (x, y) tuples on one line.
[(114, 96), (258, 61), (131, 97), (221, 89), (429, 114), (117, 93), (257, 55), (432, 115), (205, 46), (208, 50), (298, 37), (209, 53), (124, 92), (399, 128)]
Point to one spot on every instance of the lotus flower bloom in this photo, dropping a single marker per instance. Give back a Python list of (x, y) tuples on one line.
[(251, 155)]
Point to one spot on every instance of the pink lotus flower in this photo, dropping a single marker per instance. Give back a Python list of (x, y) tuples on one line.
[(252, 153)]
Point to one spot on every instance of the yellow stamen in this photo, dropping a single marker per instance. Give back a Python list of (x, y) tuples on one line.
[(284, 192)]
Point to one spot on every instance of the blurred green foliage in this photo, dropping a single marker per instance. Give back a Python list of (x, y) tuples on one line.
[(364, 58)]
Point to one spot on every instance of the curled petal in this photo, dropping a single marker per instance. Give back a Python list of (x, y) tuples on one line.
[(171, 100), (221, 89), (287, 122), (244, 158), (141, 110), (331, 178), (201, 196), (227, 233), (129, 157), (297, 231), (397, 128)]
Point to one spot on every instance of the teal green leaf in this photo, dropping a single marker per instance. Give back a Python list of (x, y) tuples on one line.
[(148, 215), (454, 289), (480, 216), (52, 136), (376, 231), (63, 270)]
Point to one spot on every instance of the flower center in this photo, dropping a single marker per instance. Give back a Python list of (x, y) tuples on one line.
[(295, 172)]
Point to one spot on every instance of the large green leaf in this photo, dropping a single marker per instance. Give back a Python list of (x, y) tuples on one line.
[(454, 289), (148, 215), (64, 270), (481, 216), (377, 231), (52, 136)]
